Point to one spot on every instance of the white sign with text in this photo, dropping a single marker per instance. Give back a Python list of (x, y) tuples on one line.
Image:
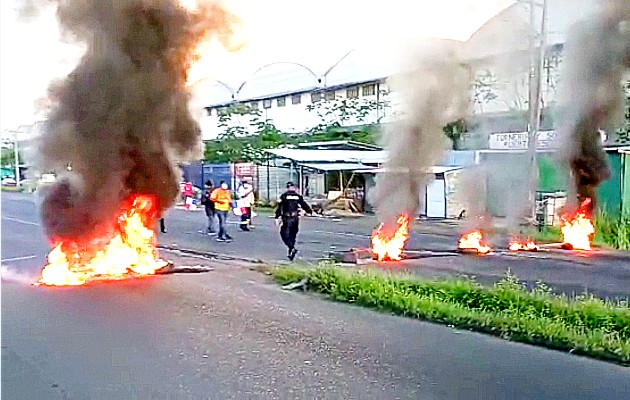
[(520, 140)]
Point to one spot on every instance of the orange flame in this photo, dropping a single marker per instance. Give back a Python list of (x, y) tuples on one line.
[(131, 252), (474, 241), (390, 246), (519, 245), (577, 229)]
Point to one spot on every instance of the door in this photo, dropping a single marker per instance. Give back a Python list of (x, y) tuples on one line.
[(436, 201)]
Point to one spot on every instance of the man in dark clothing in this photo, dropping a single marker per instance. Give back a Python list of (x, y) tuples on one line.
[(209, 208), (288, 209)]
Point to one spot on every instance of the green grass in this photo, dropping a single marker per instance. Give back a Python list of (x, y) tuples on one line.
[(11, 189), (550, 234), (582, 324), (614, 231)]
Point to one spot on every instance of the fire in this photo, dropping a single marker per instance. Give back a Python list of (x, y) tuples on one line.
[(390, 246), (474, 241), (577, 229), (131, 252), (519, 245)]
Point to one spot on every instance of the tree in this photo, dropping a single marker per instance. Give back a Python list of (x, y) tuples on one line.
[(8, 158), (245, 136), (484, 87), (340, 113), (454, 132)]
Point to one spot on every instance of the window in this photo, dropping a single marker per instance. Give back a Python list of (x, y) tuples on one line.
[(315, 97), (282, 101), (267, 103), (369, 90), (352, 93), (296, 99), (330, 95), (209, 110), (254, 105)]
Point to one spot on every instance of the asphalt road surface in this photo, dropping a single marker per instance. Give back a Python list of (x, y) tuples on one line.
[(230, 333), (603, 273)]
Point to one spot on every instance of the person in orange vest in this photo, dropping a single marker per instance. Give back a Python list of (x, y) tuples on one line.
[(222, 199)]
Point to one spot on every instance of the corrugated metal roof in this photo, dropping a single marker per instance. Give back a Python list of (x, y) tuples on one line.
[(336, 166), (322, 156), (348, 143), (506, 31), (274, 93), (270, 96), (436, 169)]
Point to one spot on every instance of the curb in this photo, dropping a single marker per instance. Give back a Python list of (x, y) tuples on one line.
[(215, 256)]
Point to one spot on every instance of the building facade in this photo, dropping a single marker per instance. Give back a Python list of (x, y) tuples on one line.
[(290, 94)]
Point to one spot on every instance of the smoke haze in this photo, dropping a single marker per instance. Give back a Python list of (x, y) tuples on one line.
[(591, 96), (121, 120), (435, 91)]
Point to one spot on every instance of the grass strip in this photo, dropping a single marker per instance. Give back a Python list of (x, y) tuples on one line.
[(581, 324)]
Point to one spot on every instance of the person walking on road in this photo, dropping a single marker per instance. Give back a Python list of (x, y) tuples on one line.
[(209, 208), (162, 225), (288, 210), (222, 199), (246, 193)]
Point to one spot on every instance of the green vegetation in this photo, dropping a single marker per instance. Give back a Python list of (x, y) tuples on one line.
[(581, 324), (246, 135), (454, 132), (548, 234), (11, 189), (613, 231)]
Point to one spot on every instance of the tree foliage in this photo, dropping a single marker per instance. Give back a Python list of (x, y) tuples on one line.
[(246, 135), (237, 143), (454, 131), (484, 88), (342, 112), (8, 157)]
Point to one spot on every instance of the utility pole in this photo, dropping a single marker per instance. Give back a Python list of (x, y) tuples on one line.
[(17, 159), (536, 66)]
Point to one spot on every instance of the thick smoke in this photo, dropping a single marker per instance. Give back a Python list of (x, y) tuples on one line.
[(120, 120), (591, 99), (435, 91)]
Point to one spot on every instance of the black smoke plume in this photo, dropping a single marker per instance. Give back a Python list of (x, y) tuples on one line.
[(598, 55), (120, 120)]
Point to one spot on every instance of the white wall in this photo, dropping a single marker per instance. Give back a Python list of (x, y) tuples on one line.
[(295, 118), (511, 89)]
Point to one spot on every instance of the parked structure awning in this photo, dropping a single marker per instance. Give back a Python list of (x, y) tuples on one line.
[(327, 167), (437, 169), (331, 156)]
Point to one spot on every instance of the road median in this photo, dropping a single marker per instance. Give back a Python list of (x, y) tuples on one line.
[(579, 324)]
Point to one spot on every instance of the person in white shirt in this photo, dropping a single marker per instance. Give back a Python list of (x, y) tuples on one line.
[(246, 194)]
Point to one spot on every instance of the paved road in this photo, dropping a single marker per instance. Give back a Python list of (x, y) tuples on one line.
[(603, 273), (232, 334)]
